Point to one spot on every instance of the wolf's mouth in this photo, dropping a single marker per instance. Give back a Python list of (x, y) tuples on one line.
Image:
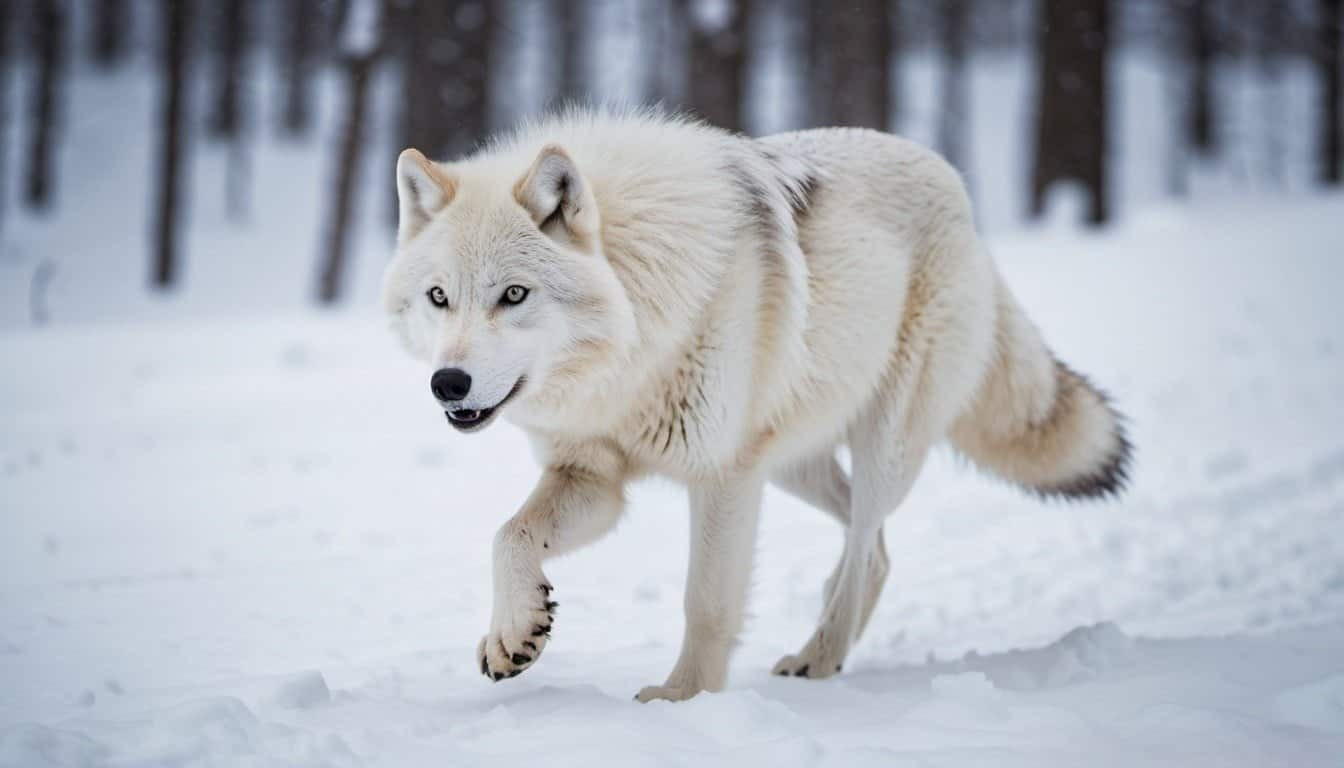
[(475, 419)]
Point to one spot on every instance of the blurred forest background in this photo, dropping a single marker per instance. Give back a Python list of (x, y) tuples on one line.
[(121, 118)]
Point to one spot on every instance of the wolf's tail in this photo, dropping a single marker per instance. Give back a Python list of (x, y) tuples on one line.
[(1038, 423)]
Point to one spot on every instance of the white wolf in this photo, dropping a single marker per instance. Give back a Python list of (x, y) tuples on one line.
[(644, 294)]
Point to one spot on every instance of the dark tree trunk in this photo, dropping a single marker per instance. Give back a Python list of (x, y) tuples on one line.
[(229, 115), (49, 20), (717, 54), (1331, 60), (850, 47), (862, 49), (336, 242), (172, 144), (819, 63), (358, 65), (953, 113), (445, 76), (672, 64), (572, 85), (1201, 131), (1270, 41), (1071, 116), (653, 20), (108, 42), (230, 50), (6, 11), (300, 24)]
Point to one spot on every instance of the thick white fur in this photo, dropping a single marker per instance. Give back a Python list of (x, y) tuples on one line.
[(726, 312)]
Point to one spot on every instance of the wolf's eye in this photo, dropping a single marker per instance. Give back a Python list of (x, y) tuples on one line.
[(514, 294), (437, 297)]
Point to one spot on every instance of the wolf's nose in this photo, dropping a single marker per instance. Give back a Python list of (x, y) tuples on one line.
[(450, 384)]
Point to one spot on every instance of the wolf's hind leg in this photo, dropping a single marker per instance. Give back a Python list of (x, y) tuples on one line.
[(889, 443), (723, 539), (821, 481)]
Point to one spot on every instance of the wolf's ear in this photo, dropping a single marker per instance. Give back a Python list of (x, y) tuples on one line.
[(554, 194), (423, 189)]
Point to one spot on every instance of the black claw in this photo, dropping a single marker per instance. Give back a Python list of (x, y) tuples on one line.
[(539, 630), (802, 671), (783, 673), (520, 658), (498, 676), (515, 673), (485, 668), (546, 588), (551, 605), (838, 668), (530, 645)]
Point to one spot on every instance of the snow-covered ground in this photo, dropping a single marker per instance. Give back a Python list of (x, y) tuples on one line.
[(255, 542)]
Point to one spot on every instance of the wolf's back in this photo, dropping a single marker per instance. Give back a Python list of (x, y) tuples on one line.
[(1038, 423)]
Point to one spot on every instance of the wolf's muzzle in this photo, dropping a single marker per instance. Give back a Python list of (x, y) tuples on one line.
[(473, 419)]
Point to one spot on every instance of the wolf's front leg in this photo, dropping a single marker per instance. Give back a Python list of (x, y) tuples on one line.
[(571, 507), (723, 538)]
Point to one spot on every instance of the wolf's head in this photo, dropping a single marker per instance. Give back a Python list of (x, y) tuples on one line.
[(499, 282)]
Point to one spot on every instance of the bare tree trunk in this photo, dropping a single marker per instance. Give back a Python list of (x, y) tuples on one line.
[(953, 114), (819, 60), (227, 120), (230, 31), (1175, 92), (573, 86), (1273, 22), (108, 43), (301, 19), (172, 144), (653, 22), (850, 49), (49, 31), (6, 12), (1072, 115), (863, 46), (717, 42), (1332, 125), (445, 76), (673, 55), (359, 51), (1201, 132)]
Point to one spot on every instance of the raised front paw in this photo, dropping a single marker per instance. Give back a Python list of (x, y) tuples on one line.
[(517, 639)]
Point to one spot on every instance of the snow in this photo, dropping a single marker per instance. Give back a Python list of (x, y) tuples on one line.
[(255, 542), (236, 531)]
